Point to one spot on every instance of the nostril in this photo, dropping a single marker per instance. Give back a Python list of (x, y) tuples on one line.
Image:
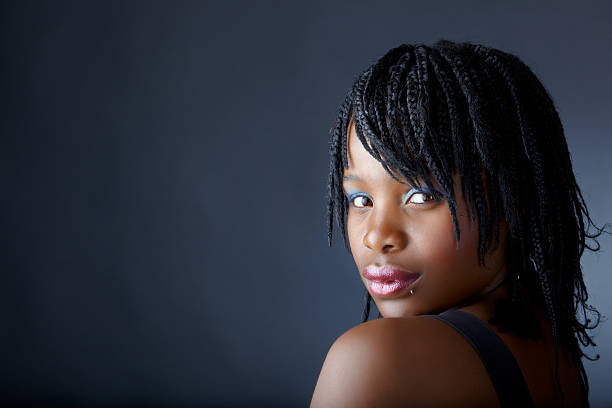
[(387, 248)]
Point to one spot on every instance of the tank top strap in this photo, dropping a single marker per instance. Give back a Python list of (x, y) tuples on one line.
[(498, 360)]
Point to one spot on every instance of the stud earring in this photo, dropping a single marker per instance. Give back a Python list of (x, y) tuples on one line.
[(411, 291)]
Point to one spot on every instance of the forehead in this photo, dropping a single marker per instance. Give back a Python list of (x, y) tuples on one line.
[(359, 160), (363, 166)]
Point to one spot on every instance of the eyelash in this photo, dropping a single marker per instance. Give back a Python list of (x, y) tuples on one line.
[(429, 196)]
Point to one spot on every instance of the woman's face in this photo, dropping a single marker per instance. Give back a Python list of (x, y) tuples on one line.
[(404, 245)]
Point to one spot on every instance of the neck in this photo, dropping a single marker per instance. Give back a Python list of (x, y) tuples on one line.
[(483, 304)]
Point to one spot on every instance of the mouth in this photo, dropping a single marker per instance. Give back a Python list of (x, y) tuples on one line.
[(387, 281)]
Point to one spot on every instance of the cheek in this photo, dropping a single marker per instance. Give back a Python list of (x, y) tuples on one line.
[(434, 238), (436, 242), (353, 235)]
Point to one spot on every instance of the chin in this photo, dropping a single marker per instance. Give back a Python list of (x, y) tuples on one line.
[(400, 308)]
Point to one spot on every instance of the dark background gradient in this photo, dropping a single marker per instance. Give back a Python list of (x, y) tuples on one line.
[(163, 172)]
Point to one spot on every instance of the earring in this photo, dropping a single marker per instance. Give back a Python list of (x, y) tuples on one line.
[(411, 291), (516, 287)]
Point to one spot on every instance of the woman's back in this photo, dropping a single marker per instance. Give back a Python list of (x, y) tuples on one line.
[(536, 360)]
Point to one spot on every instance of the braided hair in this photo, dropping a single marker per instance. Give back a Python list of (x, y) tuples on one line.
[(428, 112)]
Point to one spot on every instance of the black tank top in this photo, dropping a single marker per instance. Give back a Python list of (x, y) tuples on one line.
[(503, 369)]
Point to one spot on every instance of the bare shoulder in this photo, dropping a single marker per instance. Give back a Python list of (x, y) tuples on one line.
[(396, 361)]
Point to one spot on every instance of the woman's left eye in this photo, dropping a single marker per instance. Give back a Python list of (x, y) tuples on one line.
[(419, 197)]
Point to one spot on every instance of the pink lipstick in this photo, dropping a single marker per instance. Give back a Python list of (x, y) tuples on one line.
[(387, 280)]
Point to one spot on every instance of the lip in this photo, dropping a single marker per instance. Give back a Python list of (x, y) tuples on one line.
[(388, 280)]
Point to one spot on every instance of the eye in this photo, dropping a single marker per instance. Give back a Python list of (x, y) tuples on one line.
[(360, 201), (419, 196)]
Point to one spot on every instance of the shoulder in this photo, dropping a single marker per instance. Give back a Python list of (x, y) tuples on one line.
[(392, 361)]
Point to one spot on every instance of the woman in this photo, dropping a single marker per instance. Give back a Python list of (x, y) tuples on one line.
[(450, 174)]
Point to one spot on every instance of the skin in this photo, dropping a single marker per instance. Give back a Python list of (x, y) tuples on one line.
[(406, 357)]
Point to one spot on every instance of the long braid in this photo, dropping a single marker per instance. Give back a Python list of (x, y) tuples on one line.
[(439, 162), (476, 194), (550, 291)]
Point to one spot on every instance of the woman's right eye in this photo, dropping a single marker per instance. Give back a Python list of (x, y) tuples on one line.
[(360, 201)]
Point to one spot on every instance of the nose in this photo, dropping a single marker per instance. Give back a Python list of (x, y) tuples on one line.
[(385, 234)]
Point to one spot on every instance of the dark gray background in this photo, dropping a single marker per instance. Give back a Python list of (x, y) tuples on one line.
[(163, 170)]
